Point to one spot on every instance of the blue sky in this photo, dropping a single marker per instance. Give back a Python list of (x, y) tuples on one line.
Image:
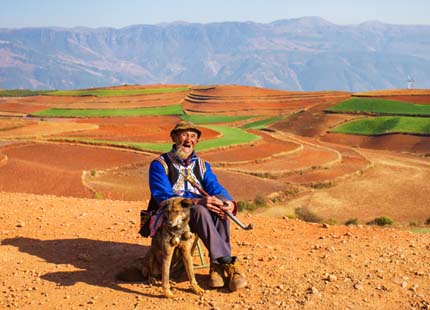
[(121, 13)]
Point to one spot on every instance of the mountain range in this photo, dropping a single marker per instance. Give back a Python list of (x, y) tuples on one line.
[(307, 54)]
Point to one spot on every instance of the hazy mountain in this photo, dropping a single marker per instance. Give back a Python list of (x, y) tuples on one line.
[(297, 54)]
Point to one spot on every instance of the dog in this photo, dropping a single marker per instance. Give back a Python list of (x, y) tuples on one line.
[(171, 238)]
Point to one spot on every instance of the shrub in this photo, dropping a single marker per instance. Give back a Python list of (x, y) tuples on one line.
[(427, 222), (382, 221), (307, 215), (331, 222), (353, 221), (322, 185), (260, 201), (246, 206)]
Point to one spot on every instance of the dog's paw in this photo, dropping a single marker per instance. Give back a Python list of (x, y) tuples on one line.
[(175, 241), (168, 294), (197, 290), (187, 235)]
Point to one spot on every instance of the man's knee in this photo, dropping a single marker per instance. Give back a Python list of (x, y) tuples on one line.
[(199, 213)]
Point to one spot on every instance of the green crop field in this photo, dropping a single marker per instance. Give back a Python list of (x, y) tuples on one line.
[(116, 92), (262, 123), (213, 119), (22, 92), (386, 125), (380, 106), (166, 110), (230, 136)]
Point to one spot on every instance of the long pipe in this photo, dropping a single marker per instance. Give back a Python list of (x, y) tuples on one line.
[(230, 215)]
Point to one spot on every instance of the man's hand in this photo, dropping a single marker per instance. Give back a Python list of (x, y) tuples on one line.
[(228, 206), (217, 206)]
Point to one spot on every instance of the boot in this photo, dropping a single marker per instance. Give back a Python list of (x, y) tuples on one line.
[(216, 276), (235, 279)]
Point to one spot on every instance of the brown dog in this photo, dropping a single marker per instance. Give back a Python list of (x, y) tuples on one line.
[(174, 233)]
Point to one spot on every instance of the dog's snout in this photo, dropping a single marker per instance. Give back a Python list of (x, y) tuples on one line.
[(175, 221)]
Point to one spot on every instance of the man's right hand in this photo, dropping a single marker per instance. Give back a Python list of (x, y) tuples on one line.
[(214, 205)]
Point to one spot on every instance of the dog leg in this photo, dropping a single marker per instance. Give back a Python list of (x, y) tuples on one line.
[(188, 262), (165, 272)]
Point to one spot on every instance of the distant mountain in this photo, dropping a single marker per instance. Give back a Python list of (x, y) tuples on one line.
[(296, 54)]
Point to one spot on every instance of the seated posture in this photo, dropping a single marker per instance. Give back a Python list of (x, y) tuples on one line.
[(181, 173)]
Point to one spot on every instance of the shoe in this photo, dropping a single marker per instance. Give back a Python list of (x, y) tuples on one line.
[(235, 279), (216, 276)]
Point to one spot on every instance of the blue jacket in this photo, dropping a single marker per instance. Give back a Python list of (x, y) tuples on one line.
[(162, 189)]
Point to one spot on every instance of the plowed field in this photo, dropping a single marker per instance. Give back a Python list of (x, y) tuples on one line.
[(69, 213)]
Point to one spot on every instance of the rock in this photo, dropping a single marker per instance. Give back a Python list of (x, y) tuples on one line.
[(313, 290), (330, 277)]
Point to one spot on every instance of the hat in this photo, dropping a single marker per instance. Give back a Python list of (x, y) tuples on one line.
[(185, 125)]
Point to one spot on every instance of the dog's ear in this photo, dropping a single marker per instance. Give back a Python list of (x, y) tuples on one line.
[(186, 203), (164, 203)]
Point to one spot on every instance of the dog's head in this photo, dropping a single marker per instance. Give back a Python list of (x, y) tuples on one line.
[(176, 212)]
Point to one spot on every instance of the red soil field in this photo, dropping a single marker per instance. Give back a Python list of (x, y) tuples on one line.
[(398, 142), (14, 107), (30, 128), (56, 169), (308, 157), (240, 100), (147, 86), (138, 129), (131, 183), (36, 103), (260, 150), (395, 92), (352, 163), (65, 251), (296, 151), (424, 99)]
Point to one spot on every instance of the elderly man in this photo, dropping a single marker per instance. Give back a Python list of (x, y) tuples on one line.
[(181, 172)]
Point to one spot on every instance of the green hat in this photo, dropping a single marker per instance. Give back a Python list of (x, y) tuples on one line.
[(185, 125)]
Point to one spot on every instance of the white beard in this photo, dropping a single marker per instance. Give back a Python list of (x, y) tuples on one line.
[(182, 154)]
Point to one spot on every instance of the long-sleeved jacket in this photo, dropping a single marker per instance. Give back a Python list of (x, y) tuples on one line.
[(166, 178)]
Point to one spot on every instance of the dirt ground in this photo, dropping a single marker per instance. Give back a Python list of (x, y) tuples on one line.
[(69, 214), (63, 253)]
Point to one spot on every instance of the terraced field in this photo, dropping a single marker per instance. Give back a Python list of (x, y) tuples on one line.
[(70, 210), (295, 154), (241, 100)]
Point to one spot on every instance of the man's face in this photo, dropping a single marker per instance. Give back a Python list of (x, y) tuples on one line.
[(185, 141)]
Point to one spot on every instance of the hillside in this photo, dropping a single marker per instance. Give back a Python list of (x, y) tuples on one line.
[(298, 54), (71, 189)]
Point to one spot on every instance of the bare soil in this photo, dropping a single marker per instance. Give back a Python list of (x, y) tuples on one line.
[(63, 253), (69, 214)]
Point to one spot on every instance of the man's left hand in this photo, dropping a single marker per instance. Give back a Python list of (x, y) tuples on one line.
[(228, 206)]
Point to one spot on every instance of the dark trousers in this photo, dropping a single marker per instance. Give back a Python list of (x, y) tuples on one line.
[(212, 230)]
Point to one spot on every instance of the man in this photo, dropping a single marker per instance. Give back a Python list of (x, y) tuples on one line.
[(181, 172)]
